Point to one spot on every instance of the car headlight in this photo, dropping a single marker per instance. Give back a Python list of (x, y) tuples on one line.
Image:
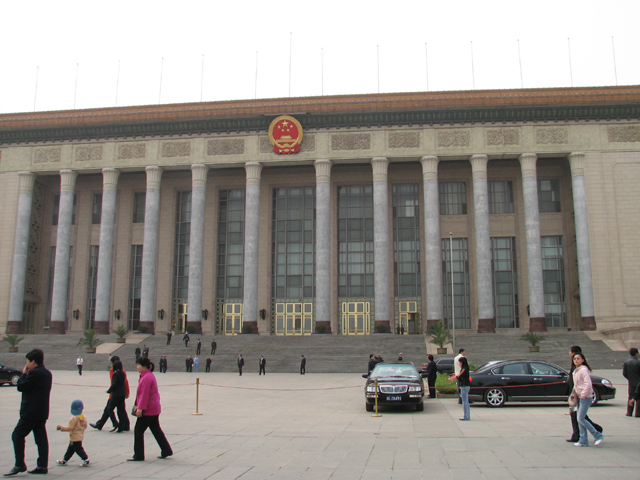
[(371, 389), (606, 383), (415, 388)]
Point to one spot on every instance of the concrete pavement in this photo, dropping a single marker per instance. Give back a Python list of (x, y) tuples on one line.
[(288, 426)]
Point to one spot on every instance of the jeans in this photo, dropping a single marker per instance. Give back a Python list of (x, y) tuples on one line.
[(464, 394), (584, 425)]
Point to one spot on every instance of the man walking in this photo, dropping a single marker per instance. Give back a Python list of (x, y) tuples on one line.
[(261, 363), (79, 363), (214, 345), (631, 371), (303, 365), (35, 385), (240, 364)]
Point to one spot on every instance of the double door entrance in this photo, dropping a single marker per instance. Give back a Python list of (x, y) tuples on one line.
[(294, 318), (356, 318)]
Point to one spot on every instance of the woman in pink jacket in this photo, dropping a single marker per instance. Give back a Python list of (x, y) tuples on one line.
[(148, 412), (583, 392)]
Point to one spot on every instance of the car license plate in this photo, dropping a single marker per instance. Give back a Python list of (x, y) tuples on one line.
[(394, 398)]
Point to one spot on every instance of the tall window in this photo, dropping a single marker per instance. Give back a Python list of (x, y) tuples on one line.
[(461, 295), (139, 199), (181, 249), (355, 241), (96, 209), (135, 286), (230, 272), (500, 197), (549, 196), (555, 308), (453, 198), (293, 239), (56, 210), (505, 282), (406, 240), (92, 286)]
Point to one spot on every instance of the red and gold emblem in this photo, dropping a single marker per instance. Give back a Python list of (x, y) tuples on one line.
[(285, 134)]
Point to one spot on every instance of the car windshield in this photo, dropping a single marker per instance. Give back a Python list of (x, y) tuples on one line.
[(390, 370)]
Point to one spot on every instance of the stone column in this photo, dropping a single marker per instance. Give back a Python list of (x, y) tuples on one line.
[(251, 242), (105, 253), (63, 241), (534, 253), (433, 243), (196, 246), (323, 244), (381, 241), (587, 311), (20, 251), (484, 275), (150, 249)]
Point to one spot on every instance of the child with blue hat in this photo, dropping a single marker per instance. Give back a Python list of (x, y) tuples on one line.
[(77, 426)]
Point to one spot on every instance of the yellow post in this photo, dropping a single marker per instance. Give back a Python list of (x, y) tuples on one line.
[(376, 387), (197, 396)]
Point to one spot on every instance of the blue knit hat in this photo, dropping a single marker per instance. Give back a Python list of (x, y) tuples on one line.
[(76, 407)]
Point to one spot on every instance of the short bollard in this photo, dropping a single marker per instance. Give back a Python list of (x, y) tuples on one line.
[(197, 396), (376, 387)]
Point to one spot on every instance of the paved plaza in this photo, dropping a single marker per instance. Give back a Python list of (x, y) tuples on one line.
[(289, 426)]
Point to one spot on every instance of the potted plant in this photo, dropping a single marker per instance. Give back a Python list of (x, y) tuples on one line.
[(121, 331), (440, 336), (534, 340), (321, 328), (143, 329), (382, 328), (90, 339), (13, 340)]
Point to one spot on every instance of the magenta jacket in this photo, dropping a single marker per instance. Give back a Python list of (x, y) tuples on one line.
[(147, 395)]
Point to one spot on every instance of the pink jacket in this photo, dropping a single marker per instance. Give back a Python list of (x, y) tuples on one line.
[(147, 395), (582, 382)]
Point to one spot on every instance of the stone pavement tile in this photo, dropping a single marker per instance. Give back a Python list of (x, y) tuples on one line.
[(411, 474), (466, 474), (347, 473), (227, 473), (497, 473), (615, 473), (458, 459), (375, 473), (317, 473), (486, 460)]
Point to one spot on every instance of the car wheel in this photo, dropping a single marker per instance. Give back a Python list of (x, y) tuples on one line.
[(368, 407), (14, 379), (419, 407), (495, 397), (596, 397)]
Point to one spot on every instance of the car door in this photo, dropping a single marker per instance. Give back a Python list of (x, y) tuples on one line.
[(552, 378), (516, 378)]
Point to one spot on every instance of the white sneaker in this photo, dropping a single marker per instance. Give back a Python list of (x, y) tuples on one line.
[(599, 441), (578, 444)]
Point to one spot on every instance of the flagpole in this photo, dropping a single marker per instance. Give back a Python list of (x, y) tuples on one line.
[(520, 62), (322, 71), (615, 69), (378, 50), (453, 301), (256, 79), (290, 50), (202, 78), (570, 67), (473, 72)]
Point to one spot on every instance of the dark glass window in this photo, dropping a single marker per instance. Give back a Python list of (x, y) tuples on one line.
[(230, 265), (139, 199), (96, 210), (453, 198), (505, 282), (461, 292), (500, 197), (406, 240), (549, 196), (135, 286)]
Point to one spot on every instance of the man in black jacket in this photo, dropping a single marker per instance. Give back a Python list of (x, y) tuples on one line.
[(631, 371), (35, 385), (432, 375)]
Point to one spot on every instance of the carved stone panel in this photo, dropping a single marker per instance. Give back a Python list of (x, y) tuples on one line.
[(557, 135), (89, 153), (176, 149), (503, 136), (627, 133), (350, 141), (308, 144), (47, 155), (225, 146), (404, 140), (129, 151), (454, 138)]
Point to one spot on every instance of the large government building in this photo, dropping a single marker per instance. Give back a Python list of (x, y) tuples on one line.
[(347, 215)]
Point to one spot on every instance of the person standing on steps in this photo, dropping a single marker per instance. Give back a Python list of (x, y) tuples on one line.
[(185, 339), (196, 362), (169, 335), (631, 371), (214, 345), (208, 366)]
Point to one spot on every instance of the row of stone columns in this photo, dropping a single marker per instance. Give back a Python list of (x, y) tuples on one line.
[(486, 321)]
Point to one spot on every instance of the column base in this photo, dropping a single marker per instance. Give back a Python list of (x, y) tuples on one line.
[(323, 323), (101, 328), (486, 325), (57, 328), (588, 323), (382, 326), (14, 327), (150, 327), (537, 324), (250, 328)]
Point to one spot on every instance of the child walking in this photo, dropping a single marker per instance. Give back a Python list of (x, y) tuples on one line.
[(77, 426)]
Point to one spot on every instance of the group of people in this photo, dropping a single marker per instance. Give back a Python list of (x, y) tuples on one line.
[(35, 385), (186, 338), (144, 352), (262, 364)]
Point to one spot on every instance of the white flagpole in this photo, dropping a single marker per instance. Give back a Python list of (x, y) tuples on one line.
[(322, 71), (615, 69), (378, 50), (570, 67), (453, 299), (520, 62), (202, 78), (256, 80), (290, 50), (473, 73)]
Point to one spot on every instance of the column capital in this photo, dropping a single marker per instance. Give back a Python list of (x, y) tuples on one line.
[(199, 175), (253, 172), (323, 170), (68, 180), (379, 165), (26, 181), (154, 175), (576, 161), (429, 167), (479, 165), (110, 178), (528, 164)]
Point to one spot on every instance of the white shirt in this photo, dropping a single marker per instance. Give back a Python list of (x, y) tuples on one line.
[(80, 361), (456, 364)]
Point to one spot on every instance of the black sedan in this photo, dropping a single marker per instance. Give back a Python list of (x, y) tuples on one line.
[(9, 375), (497, 382), (443, 365), (399, 383)]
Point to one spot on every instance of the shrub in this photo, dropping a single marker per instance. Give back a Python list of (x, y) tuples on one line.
[(382, 328), (143, 329), (533, 338), (191, 329), (321, 328), (121, 331), (247, 329), (12, 339), (444, 385), (439, 334), (90, 339)]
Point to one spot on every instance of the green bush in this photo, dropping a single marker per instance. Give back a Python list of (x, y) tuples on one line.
[(90, 339), (191, 329), (321, 328), (121, 331), (382, 328), (439, 334), (12, 339), (444, 385), (143, 329), (247, 329)]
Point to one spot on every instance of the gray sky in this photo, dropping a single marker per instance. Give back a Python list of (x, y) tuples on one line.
[(335, 48)]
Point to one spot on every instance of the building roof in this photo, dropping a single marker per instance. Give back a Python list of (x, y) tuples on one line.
[(340, 111)]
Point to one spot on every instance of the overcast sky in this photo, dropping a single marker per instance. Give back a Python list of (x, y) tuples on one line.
[(61, 55)]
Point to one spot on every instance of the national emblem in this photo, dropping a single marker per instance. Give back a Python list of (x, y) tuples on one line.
[(285, 134)]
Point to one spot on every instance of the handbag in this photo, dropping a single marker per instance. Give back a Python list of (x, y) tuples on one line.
[(573, 399)]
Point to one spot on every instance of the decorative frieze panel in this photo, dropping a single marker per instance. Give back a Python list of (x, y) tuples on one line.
[(130, 151), (47, 155), (176, 149), (351, 141), (404, 140), (308, 144), (502, 136), (225, 146), (89, 153), (627, 133), (557, 136), (454, 138)]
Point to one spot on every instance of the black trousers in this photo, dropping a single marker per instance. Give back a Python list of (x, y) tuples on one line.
[(152, 423), (261, 370), (39, 429), (207, 369), (432, 387), (575, 436), (122, 422), (75, 447), (636, 405)]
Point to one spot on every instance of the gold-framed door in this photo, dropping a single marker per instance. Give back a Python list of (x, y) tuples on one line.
[(408, 318), (356, 318), (232, 318), (179, 323), (294, 318)]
